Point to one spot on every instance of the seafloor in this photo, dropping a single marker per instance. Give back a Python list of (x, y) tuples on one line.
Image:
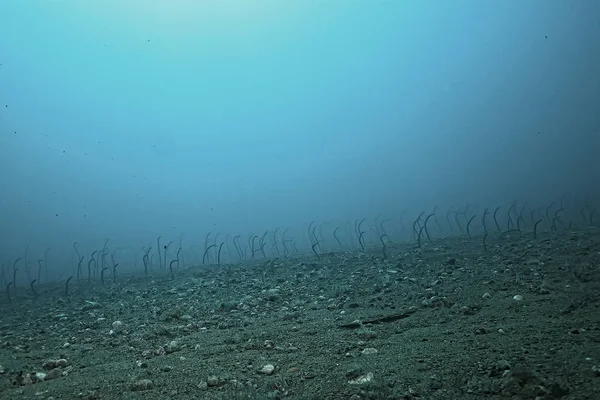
[(520, 320)]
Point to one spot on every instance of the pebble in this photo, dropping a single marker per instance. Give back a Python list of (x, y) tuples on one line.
[(267, 369), (117, 326), (143, 384), (369, 351)]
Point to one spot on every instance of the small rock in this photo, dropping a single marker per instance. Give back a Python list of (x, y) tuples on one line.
[(212, 381), (369, 350), (267, 369), (172, 347), (117, 327), (52, 364), (143, 384), (361, 380), (53, 374)]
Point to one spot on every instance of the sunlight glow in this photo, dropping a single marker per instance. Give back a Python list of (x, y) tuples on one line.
[(229, 12)]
